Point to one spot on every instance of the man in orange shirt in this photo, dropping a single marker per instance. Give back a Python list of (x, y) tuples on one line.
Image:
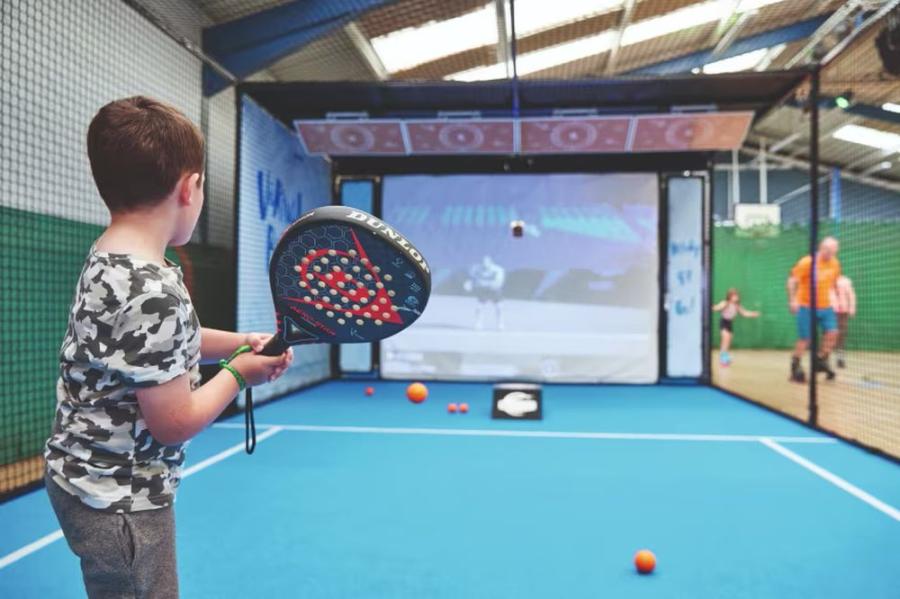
[(799, 286)]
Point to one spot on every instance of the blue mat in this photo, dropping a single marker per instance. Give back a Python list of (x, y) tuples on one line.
[(413, 507)]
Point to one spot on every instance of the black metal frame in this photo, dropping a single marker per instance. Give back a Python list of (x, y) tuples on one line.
[(662, 319), (708, 203), (662, 165), (378, 166), (813, 237), (812, 417)]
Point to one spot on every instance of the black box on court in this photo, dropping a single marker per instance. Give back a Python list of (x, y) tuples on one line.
[(517, 401)]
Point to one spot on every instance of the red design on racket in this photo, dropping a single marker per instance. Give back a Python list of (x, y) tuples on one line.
[(341, 275)]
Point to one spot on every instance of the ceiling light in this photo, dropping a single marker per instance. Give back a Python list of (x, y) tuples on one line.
[(733, 64), (406, 48), (877, 168), (867, 136), (891, 107)]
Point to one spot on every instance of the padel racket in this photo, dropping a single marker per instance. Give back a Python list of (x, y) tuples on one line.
[(341, 275)]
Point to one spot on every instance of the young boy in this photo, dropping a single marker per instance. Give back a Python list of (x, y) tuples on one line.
[(128, 394)]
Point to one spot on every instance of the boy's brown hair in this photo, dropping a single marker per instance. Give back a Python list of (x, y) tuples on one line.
[(139, 148)]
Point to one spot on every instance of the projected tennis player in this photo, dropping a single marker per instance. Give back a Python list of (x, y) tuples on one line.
[(843, 299), (486, 280), (799, 285), (730, 307)]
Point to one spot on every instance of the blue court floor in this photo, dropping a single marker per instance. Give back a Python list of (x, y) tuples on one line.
[(354, 496)]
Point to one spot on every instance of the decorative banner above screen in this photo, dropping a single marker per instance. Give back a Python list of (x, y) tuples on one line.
[(352, 138), (461, 137), (670, 132), (689, 132), (578, 135)]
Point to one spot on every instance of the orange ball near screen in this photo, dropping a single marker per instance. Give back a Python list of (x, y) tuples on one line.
[(370, 391), (417, 392), (644, 561)]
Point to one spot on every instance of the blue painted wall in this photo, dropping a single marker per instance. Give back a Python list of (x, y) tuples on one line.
[(278, 182), (859, 202)]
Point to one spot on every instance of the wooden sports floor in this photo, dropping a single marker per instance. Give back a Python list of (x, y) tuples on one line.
[(862, 403)]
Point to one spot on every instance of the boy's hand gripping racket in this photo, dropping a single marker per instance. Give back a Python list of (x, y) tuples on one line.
[(341, 275)]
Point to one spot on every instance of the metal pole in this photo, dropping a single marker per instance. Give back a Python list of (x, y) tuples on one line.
[(763, 174), (813, 236), (735, 184), (512, 47)]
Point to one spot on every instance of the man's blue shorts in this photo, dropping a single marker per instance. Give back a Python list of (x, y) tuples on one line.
[(826, 318)]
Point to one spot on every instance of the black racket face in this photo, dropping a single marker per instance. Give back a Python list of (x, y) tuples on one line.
[(341, 275)]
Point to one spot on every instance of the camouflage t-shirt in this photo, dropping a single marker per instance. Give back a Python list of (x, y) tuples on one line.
[(132, 325)]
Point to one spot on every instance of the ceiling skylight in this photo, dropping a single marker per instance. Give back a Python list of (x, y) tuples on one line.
[(537, 15), (742, 62), (406, 48), (544, 58), (647, 29), (867, 136)]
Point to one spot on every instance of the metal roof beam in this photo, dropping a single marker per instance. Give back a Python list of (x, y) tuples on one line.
[(365, 49), (823, 168), (252, 43), (624, 22), (827, 27), (766, 39)]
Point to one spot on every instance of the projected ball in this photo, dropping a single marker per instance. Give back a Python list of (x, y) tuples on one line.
[(463, 408), (644, 561), (417, 392), (370, 391), (451, 407)]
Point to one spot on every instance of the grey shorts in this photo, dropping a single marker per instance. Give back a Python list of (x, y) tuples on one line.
[(122, 555)]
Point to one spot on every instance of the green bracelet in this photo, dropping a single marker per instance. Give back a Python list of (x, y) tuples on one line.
[(242, 384)]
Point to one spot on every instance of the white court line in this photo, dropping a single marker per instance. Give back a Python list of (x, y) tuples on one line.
[(228, 452), (833, 479), (30, 548), (467, 432)]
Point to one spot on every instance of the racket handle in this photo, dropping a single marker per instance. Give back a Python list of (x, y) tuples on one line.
[(275, 347)]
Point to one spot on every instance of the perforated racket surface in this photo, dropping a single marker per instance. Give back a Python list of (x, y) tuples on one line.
[(341, 275)]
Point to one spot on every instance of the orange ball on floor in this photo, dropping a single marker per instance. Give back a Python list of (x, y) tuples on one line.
[(451, 407), (417, 392), (463, 407), (644, 561)]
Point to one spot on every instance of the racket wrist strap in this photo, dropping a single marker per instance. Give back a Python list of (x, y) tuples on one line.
[(249, 417), (242, 384), (241, 350)]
